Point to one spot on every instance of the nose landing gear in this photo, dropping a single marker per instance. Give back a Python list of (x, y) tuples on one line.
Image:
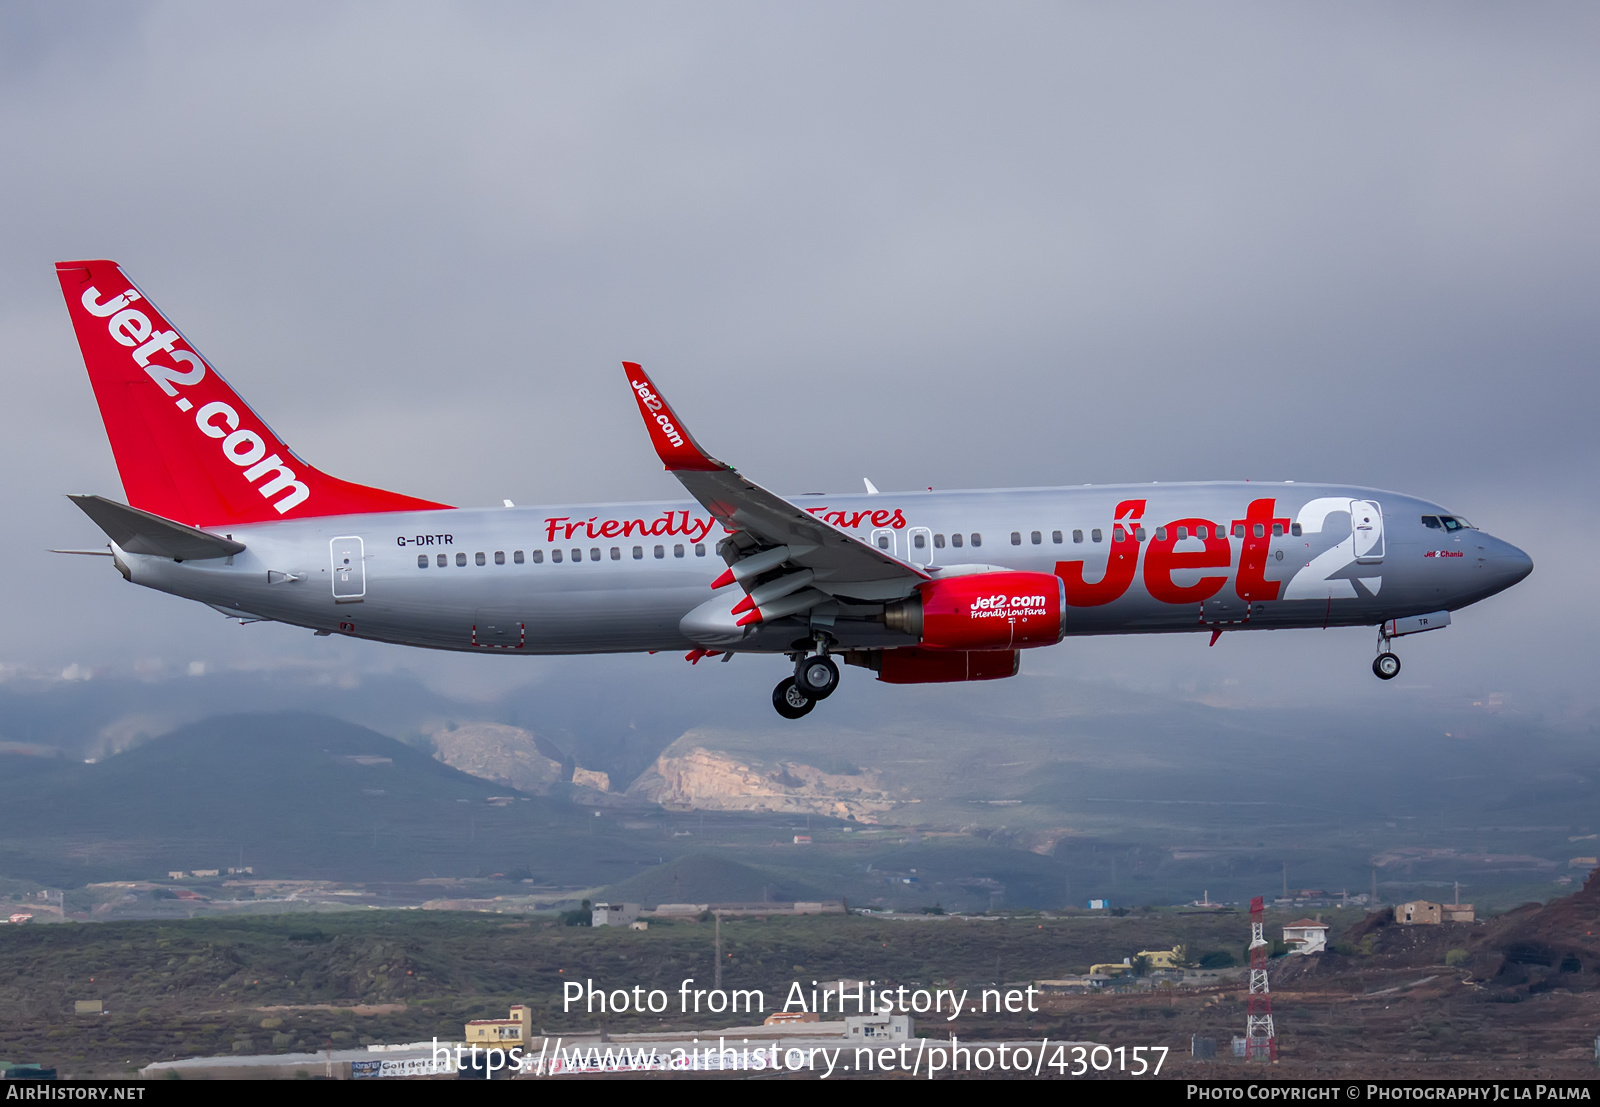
[(1386, 666)]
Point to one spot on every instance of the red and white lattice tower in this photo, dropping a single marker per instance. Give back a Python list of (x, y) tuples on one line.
[(1260, 1039)]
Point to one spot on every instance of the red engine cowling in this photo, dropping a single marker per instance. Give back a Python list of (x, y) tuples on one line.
[(984, 611), (914, 666)]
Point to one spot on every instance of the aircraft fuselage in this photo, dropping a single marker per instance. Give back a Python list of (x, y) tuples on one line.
[(591, 578)]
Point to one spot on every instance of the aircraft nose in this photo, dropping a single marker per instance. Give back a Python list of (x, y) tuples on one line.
[(1508, 563)]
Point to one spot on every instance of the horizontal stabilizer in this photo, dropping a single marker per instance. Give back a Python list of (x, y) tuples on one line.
[(141, 532)]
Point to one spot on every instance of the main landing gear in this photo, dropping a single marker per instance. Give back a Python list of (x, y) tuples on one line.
[(815, 678), (1386, 666)]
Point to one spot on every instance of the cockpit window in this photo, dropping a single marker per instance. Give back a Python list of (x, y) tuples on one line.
[(1455, 522), (1432, 522)]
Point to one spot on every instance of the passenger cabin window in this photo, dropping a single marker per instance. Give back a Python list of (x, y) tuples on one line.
[(577, 555), (516, 555), (699, 549), (883, 541), (422, 561), (638, 553), (1036, 537), (616, 553), (555, 556), (677, 550), (1138, 534), (1077, 536), (1095, 534), (499, 557), (1055, 536), (1161, 534), (440, 561), (938, 541), (661, 551), (538, 557), (1261, 530), (1016, 538), (977, 539), (1238, 530), (479, 559), (461, 560), (1277, 530), (919, 541), (594, 553), (955, 540), (1295, 530), (1183, 532)]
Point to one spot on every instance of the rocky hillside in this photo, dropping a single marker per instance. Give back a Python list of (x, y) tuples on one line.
[(504, 754), (688, 775), (1538, 948)]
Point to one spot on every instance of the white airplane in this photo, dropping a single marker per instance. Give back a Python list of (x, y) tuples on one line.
[(918, 587)]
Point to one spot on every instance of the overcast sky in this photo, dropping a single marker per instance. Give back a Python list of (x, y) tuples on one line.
[(948, 245)]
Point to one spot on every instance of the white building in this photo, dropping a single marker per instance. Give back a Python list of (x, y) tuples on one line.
[(878, 1028), (614, 914), (1307, 936)]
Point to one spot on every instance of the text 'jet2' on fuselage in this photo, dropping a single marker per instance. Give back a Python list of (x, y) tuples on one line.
[(918, 587)]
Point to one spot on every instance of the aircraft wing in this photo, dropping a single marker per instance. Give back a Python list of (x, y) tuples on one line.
[(843, 564)]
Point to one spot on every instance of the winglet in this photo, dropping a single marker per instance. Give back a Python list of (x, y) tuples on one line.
[(675, 445)]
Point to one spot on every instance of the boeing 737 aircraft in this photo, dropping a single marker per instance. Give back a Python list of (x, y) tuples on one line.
[(918, 587)]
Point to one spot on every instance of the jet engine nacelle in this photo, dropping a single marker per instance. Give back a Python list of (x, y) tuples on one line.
[(983, 611)]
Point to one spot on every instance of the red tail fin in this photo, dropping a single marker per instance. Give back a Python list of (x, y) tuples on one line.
[(187, 447)]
